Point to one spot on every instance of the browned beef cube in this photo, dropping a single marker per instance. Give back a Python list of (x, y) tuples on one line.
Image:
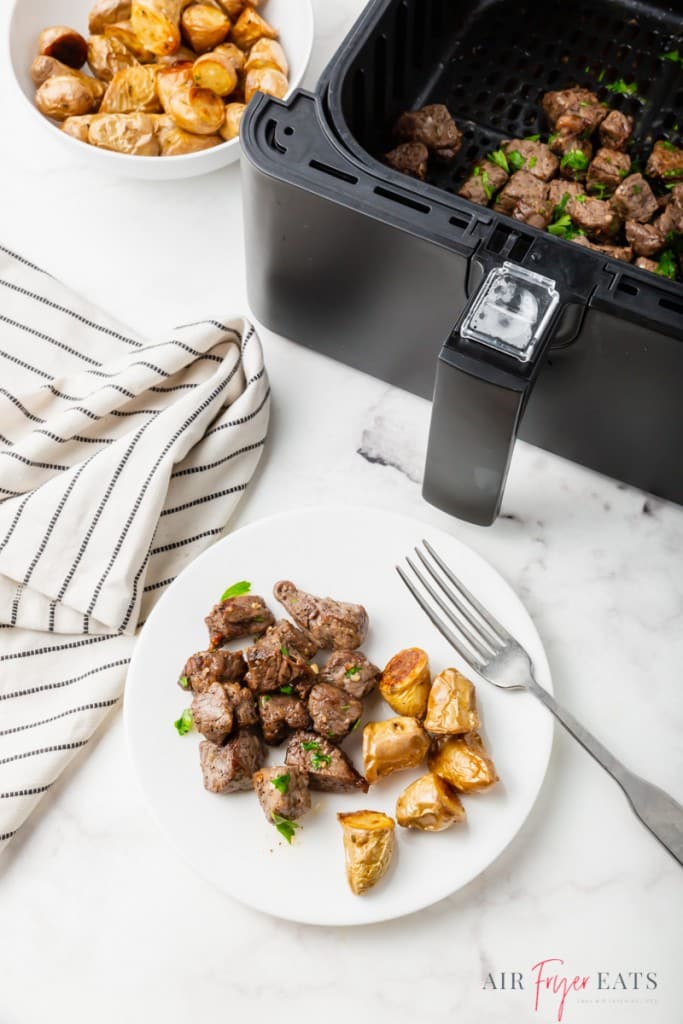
[(483, 183), (409, 158), (644, 238), (537, 215), (606, 171), (351, 671), (207, 667), (280, 715), (559, 188), (335, 625), (535, 157), (295, 637), (333, 713), (328, 767), (665, 162), (645, 264), (617, 252), (671, 219), (433, 126), (246, 615), (615, 130), (242, 703), (634, 199), (575, 156), (573, 111), (595, 217), (212, 713), (282, 791), (278, 660), (230, 769), (521, 185)]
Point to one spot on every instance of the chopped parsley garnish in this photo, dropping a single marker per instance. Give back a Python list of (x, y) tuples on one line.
[(319, 761), (561, 206), (673, 172), (286, 689), (284, 652), (636, 190), (499, 158), (354, 670), (601, 75), (665, 144), (486, 185), (236, 590), (673, 55), (285, 827), (345, 707), (624, 172), (265, 698), (184, 723), (184, 682), (553, 137), (516, 160), (575, 159), (310, 745), (355, 725), (623, 88), (564, 227), (581, 198), (667, 265), (281, 782), (532, 162), (532, 138), (599, 188)]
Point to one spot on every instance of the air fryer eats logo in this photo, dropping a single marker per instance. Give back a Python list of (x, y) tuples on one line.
[(555, 991)]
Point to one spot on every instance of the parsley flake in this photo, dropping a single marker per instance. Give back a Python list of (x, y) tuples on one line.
[(667, 265), (319, 761), (599, 188), (310, 745), (184, 723), (623, 88), (281, 782), (284, 652), (355, 725), (563, 227), (575, 159), (184, 682), (286, 689), (285, 827), (665, 144), (532, 138), (516, 160), (353, 670), (236, 590), (673, 55), (499, 158)]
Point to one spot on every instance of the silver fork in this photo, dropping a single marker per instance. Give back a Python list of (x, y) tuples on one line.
[(489, 650)]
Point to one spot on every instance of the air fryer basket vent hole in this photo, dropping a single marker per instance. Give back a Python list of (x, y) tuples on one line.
[(397, 197), (334, 172), (675, 307), (627, 286)]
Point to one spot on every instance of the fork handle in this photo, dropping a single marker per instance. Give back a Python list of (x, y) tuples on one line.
[(656, 809)]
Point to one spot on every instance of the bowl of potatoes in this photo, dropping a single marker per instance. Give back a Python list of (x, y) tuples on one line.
[(155, 89)]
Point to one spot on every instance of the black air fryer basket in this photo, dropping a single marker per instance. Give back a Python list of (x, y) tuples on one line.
[(401, 278)]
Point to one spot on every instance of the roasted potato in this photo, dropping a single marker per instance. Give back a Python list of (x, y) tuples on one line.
[(430, 804), (267, 80), (233, 116), (233, 54), (233, 8), (464, 762), (67, 95), (183, 55), (452, 706), (63, 43), (156, 23), (267, 53), (125, 133), (215, 71), (196, 110), (106, 56), (204, 27), (107, 12), (175, 141), (78, 127), (48, 67), (405, 682), (369, 843), (392, 745), (131, 90), (123, 31), (172, 78), (250, 27)]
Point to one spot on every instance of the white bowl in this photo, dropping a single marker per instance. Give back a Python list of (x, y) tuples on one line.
[(292, 18)]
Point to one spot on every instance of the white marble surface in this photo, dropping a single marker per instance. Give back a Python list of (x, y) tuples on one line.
[(99, 920)]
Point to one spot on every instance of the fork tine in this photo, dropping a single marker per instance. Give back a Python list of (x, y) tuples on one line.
[(480, 630), (488, 618), (467, 656), (468, 634)]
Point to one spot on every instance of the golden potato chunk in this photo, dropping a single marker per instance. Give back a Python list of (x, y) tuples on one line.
[(130, 90), (234, 55), (405, 682), (204, 27), (124, 32), (392, 745), (175, 141), (233, 8), (107, 56), (233, 116), (64, 44), (196, 110), (369, 843), (249, 27), (172, 78), (156, 23), (464, 762), (452, 706), (67, 95), (43, 68), (78, 127), (215, 71), (267, 80), (107, 12), (125, 133), (267, 53), (430, 804)]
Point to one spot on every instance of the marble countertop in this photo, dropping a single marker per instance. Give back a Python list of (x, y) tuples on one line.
[(98, 918)]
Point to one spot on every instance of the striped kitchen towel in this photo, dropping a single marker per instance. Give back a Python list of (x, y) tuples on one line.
[(120, 460)]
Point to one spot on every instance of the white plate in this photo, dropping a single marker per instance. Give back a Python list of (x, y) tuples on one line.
[(348, 553), (292, 18)]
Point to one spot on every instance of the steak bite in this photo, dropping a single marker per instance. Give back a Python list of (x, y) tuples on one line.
[(535, 157), (351, 671), (521, 186), (617, 252), (574, 111), (671, 219), (646, 264), (576, 154), (634, 199), (207, 667), (229, 769), (278, 660), (242, 703), (558, 189), (615, 130), (282, 791), (327, 766), (432, 126), (333, 712), (245, 615), (665, 162), (483, 183), (280, 715), (409, 158), (332, 624), (212, 713), (645, 239), (606, 171), (594, 216), (536, 214)]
